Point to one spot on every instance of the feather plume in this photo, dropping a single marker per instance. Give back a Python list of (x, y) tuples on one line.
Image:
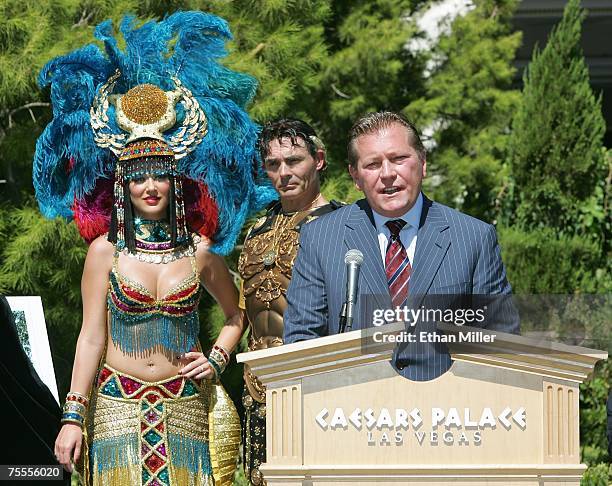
[(227, 180)]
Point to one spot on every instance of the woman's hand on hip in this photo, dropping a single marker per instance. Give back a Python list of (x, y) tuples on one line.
[(198, 368)]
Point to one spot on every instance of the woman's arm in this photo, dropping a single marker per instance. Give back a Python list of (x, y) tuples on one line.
[(91, 341), (92, 338), (218, 281)]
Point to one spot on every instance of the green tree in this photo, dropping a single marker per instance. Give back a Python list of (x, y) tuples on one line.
[(31, 33), (281, 43), (468, 104), (593, 396), (559, 202), (368, 68), (559, 171), (557, 161), (30, 266)]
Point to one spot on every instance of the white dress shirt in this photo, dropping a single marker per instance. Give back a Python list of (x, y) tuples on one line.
[(408, 234)]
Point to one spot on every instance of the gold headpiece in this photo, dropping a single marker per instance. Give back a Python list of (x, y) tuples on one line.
[(146, 111)]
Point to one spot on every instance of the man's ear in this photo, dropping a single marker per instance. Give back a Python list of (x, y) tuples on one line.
[(353, 172), (320, 158), (424, 167)]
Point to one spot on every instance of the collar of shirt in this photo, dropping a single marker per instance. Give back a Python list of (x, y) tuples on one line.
[(408, 234)]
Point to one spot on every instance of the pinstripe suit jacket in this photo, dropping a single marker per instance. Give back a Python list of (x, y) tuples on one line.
[(456, 256)]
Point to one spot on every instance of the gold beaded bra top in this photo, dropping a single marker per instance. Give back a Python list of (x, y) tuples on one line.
[(139, 321)]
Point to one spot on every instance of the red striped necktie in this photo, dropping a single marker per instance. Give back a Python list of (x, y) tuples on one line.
[(397, 265)]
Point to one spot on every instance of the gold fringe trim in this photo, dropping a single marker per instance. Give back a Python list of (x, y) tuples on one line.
[(224, 433), (119, 476), (184, 477), (82, 467)]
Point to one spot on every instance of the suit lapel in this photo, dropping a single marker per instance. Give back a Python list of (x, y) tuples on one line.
[(361, 235), (433, 241)]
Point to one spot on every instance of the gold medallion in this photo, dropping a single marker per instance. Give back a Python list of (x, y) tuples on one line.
[(269, 258), (256, 477)]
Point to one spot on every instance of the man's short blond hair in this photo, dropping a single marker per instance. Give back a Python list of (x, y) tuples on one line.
[(376, 121)]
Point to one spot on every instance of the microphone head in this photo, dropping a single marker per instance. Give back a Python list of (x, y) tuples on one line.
[(353, 256)]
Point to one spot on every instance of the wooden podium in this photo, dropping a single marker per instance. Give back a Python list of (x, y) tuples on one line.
[(506, 413)]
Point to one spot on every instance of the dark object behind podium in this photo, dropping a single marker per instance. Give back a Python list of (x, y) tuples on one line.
[(30, 414)]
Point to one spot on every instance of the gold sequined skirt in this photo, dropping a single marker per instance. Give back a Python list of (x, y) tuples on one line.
[(174, 432)]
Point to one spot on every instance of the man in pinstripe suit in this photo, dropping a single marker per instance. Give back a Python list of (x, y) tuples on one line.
[(413, 248)]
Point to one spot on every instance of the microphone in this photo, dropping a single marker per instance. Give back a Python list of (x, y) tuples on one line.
[(353, 260)]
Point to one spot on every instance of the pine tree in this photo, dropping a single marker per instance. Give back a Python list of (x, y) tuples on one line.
[(467, 108), (282, 44), (31, 33), (557, 199), (556, 156), (368, 68), (44, 257)]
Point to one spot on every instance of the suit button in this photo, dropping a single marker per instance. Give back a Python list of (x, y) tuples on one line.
[(400, 367)]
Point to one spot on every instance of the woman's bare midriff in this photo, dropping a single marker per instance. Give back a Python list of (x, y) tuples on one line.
[(156, 365)]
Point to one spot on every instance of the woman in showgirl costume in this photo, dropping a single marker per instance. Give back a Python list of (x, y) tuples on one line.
[(151, 153)]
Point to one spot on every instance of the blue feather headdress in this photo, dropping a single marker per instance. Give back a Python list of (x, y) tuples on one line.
[(223, 183)]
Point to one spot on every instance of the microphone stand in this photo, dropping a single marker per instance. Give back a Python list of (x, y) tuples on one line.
[(343, 320)]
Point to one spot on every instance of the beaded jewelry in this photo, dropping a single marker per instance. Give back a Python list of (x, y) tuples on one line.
[(218, 359), (143, 158), (140, 321), (73, 411), (154, 245), (223, 351)]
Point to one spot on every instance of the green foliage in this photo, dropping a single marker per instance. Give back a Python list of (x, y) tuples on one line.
[(31, 33), (30, 266), (281, 43), (239, 479), (468, 104), (27, 31), (597, 475), (368, 68), (558, 166), (543, 262), (341, 188), (559, 285), (593, 396)]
